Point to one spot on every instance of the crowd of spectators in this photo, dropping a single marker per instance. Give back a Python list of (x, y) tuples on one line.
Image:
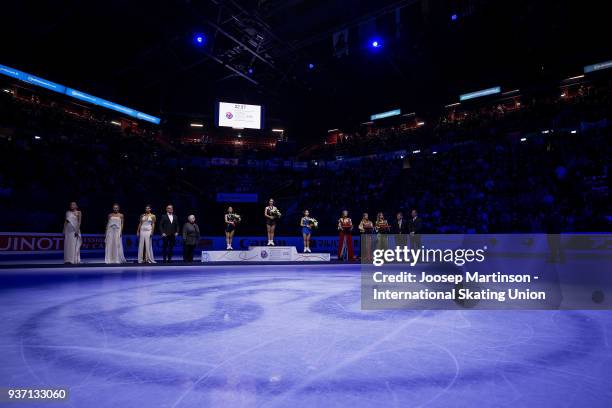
[(548, 182), (514, 113), (537, 166)]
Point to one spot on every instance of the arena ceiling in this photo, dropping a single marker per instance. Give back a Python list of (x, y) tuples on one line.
[(142, 53)]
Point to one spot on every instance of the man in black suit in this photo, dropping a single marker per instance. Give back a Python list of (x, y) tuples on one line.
[(400, 228), (169, 229), (414, 227)]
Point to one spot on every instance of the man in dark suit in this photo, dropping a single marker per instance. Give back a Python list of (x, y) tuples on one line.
[(414, 227), (191, 237), (169, 229), (400, 228)]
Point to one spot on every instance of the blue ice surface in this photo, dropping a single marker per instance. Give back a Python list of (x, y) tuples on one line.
[(284, 336)]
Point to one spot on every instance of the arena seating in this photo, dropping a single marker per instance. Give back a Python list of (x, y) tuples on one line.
[(536, 166)]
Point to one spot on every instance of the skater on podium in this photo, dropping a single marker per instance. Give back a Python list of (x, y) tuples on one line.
[(307, 223), (272, 214), (231, 220)]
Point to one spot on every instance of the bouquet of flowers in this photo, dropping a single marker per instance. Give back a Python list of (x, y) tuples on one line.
[(275, 213), (235, 217), (313, 223), (383, 227)]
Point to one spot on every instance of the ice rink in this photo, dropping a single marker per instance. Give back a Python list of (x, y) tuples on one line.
[(284, 336)]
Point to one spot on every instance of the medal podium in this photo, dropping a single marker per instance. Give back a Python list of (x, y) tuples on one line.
[(264, 254)]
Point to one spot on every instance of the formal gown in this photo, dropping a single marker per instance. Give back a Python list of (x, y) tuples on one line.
[(72, 243), (145, 242), (113, 250)]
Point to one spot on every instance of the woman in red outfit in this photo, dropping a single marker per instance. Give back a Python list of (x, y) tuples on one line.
[(345, 228)]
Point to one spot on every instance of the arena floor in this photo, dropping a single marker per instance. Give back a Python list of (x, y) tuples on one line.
[(284, 336)]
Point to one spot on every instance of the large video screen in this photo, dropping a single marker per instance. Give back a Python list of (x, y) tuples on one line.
[(238, 115)]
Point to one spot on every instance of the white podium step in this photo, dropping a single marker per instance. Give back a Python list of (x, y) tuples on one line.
[(264, 254)]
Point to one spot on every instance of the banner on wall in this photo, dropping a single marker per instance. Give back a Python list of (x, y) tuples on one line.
[(237, 197), (82, 96), (31, 242)]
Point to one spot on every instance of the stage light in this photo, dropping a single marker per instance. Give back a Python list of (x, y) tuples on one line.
[(278, 130), (416, 151), (376, 43), (573, 132), (420, 123), (523, 139), (311, 66), (37, 137), (434, 152), (196, 125), (575, 77), (115, 123), (250, 71), (454, 17), (199, 39)]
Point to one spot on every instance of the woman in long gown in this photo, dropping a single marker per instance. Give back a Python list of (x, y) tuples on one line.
[(382, 228), (72, 235), (146, 227), (366, 227), (345, 238), (113, 249)]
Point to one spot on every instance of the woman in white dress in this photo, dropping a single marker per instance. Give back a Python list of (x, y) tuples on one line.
[(72, 235), (145, 236), (113, 249)]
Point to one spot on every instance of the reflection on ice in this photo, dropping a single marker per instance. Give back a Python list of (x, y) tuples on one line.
[(289, 336)]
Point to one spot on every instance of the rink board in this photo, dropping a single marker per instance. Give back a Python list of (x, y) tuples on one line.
[(264, 254)]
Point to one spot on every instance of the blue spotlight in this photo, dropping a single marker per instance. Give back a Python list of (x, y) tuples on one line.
[(454, 17), (311, 66), (376, 43), (199, 39), (250, 70)]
